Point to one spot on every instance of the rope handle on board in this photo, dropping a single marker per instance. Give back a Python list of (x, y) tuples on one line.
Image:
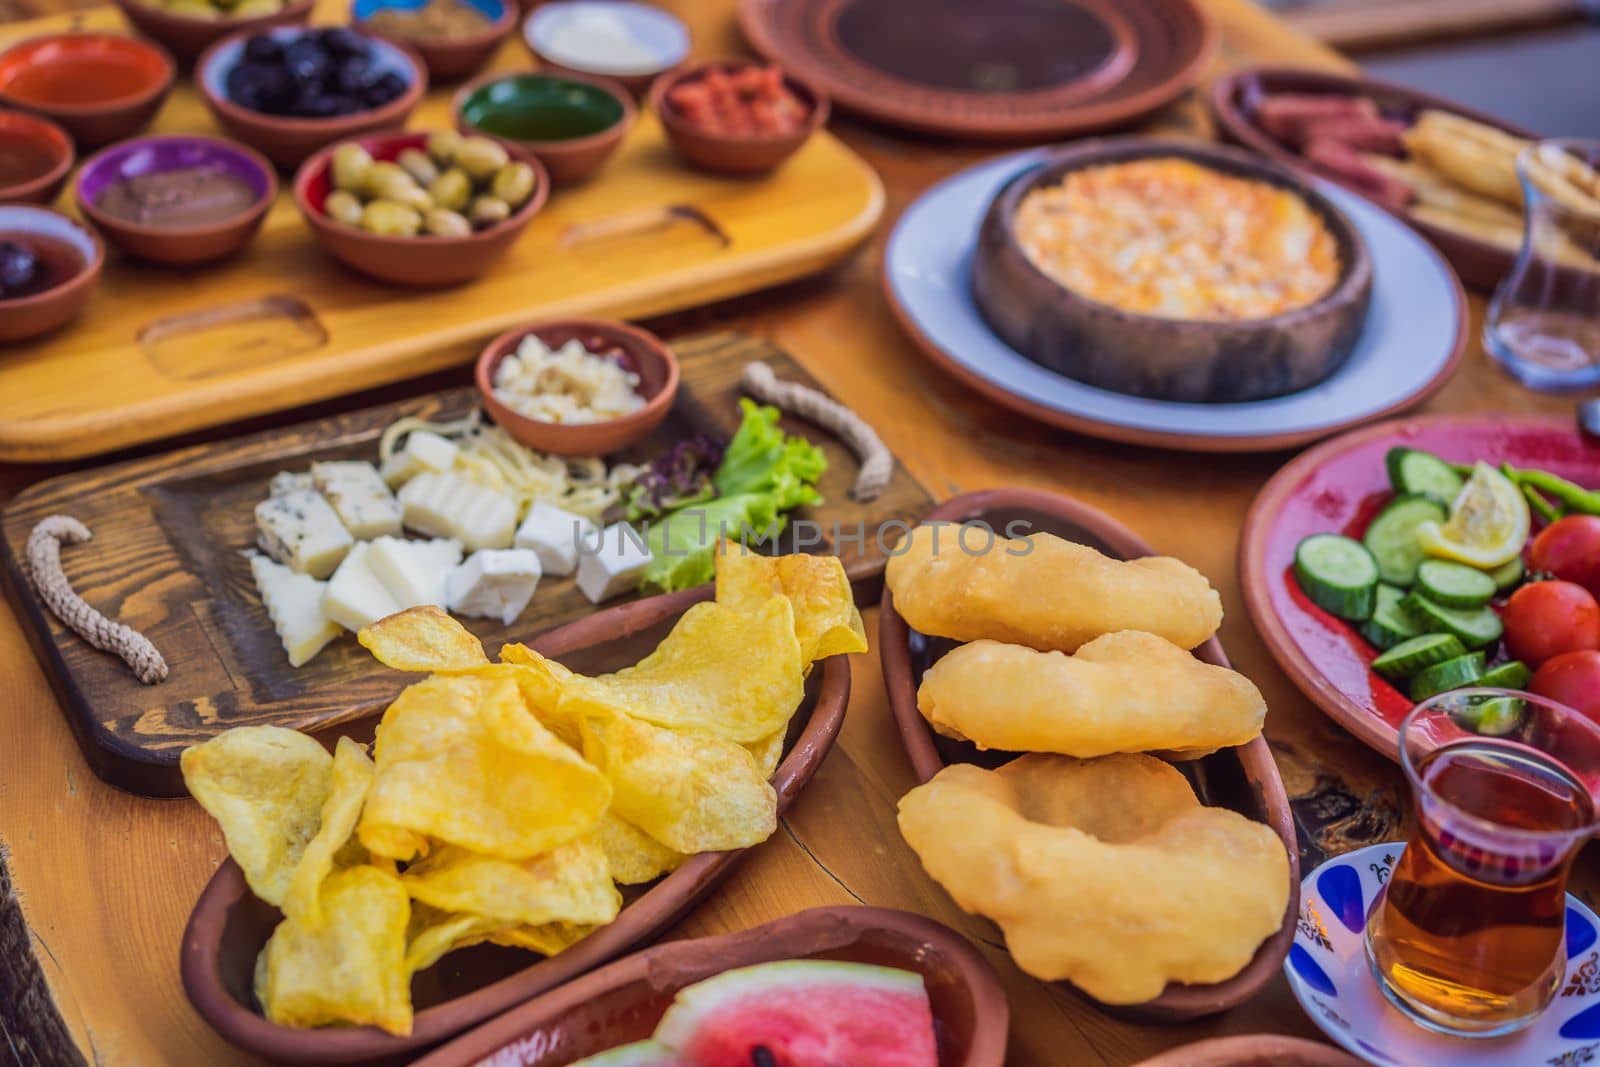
[(877, 462)]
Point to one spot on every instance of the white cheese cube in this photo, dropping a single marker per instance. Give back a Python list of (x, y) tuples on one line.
[(300, 529), (355, 596), (448, 505), (288, 481), (494, 583), (555, 534), (615, 567), (414, 572), (359, 497), (423, 451), (294, 603)]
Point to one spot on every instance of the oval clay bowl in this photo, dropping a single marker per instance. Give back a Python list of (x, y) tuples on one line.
[(97, 122), (1166, 359), (448, 59), (26, 317), (1232, 100), (661, 32), (229, 926), (724, 153), (1243, 779), (598, 111), (53, 140), (187, 36), (623, 1001), (1254, 1050)]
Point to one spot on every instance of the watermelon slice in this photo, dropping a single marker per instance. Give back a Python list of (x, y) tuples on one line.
[(638, 1054)]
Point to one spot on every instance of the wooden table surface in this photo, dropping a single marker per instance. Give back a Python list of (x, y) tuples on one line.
[(106, 879)]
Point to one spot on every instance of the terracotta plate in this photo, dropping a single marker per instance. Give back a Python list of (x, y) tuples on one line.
[(1244, 779), (1339, 486), (1254, 1050), (229, 926), (623, 1001), (1000, 70)]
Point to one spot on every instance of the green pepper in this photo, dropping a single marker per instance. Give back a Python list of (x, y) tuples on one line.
[(1570, 495)]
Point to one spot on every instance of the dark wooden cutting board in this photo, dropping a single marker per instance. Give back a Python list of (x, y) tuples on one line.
[(168, 558)]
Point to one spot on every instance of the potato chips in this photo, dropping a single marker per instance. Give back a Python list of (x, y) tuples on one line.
[(826, 621)]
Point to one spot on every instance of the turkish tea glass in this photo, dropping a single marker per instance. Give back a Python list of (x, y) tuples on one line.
[(1468, 936)]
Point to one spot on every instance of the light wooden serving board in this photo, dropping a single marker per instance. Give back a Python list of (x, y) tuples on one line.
[(160, 351), (168, 558)]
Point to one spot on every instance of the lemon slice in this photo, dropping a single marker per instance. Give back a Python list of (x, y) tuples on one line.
[(1488, 523)]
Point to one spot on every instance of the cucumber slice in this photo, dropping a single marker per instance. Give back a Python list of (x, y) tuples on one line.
[(1391, 537), (1417, 654), (1338, 574), (1491, 716), (1451, 674), (1512, 674), (1423, 473), (1476, 627), (1508, 576), (1390, 623), (1455, 585)]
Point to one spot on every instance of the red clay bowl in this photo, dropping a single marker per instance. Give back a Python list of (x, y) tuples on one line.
[(51, 76), (52, 142), (229, 926), (177, 246), (1253, 1050), (623, 1001), (724, 153), (641, 352), (447, 59), (1244, 779), (660, 32), (288, 141), (496, 104), (422, 262), (30, 316), (187, 36)]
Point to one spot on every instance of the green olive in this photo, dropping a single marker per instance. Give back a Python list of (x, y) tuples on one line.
[(416, 163), (350, 166), (384, 179), (412, 197), (389, 219), (443, 223), (196, 8), (452, 190), (488, 210), (252, 8), (513, 183), (442, 146), (343, 206), (481, 157)]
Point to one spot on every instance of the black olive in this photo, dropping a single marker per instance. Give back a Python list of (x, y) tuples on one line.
[(263, 48), (389, 86), (340, 42), (354, 75), (315, 104), (345, 104), (307, 63), (19, 267)]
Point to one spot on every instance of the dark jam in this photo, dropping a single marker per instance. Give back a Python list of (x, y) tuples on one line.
[(23, 158), (31, 263)]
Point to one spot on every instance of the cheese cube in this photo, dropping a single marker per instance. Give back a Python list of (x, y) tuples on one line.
[(423, 451), (294, 603), (288, 481), (359, 497), (300, 529), (414, 572), (615, 567), (494, 583), (555, 534), (355, 596), (448, 505)]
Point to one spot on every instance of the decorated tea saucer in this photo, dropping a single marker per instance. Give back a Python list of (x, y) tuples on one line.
[(1327, 970)]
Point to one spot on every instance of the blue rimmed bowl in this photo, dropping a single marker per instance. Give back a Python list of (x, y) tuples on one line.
[(448, 59)]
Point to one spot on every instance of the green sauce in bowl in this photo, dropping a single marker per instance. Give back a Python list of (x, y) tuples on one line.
[(541, 107)]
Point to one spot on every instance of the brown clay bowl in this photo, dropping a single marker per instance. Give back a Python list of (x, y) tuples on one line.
[(658, 30), (447, 59), (1166, 359), (144, 75), (187, 245), (422, 262), (289, 141), (600, 110), (187, 36), (1253, 1050), (229, 926), (623, 1001), (723, 153), (26, 317), (641, 352), (1233, 99), (1244, 779), (53, 142)]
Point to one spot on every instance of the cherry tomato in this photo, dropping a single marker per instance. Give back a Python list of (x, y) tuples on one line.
[(1573, 679), (1545, 619), (1569, 548)]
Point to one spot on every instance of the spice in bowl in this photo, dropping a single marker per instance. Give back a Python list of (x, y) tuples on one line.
[(748, 101), (435, 20), (317, 74), (567, 385)]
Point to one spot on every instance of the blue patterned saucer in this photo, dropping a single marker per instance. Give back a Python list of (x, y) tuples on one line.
[(1327, 970)]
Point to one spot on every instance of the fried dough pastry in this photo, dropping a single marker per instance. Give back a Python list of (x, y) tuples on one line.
[(1107, 873), (1124, 692), (1046, 592)]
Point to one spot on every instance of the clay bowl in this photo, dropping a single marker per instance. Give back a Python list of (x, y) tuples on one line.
[(143, 73), (641, 352), (724, 153), (447, 59), (421, 262), (52, 142), (1233, 99), (1244, 779), (177, 246), (289, 141), (229, 926), (623, 1001), (659, 32), (582, 119), (30, 316), (1253, 1050), (1166, 359), (187, 36)]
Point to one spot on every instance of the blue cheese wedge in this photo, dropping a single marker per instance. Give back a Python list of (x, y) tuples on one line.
[(615, 566), (359, 497), (555, 534), (294, 602), (414, 572), (448, 505), (423, 451), (494, 583), (300, 529), (355, 596)]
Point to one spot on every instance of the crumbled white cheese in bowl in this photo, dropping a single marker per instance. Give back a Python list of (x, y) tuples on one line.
[(566, 385)]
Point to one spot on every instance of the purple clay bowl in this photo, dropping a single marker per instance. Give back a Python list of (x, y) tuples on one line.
[(177, 245)]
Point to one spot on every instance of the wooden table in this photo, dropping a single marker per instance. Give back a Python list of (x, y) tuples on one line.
[(106, 880)]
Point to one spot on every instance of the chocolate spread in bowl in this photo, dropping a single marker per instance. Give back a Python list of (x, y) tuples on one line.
[(185, 198)]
